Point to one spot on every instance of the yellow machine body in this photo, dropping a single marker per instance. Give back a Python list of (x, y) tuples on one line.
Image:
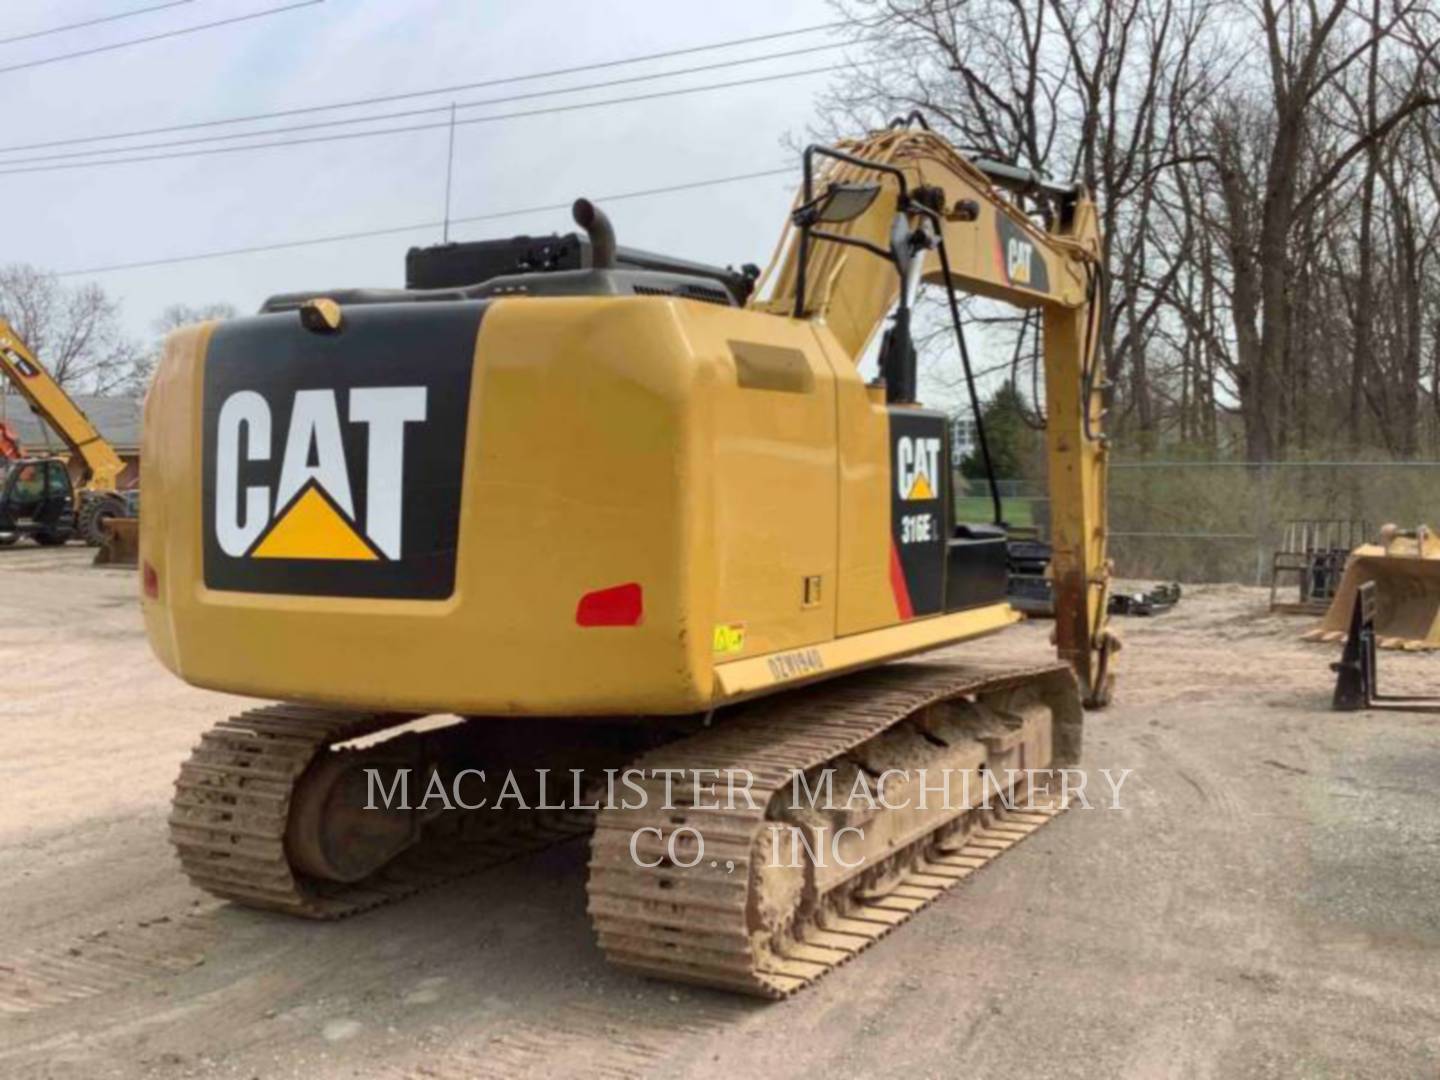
[(730, 464), (626, 504)]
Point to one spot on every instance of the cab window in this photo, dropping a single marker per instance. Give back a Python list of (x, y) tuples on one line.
[(30, 483), (59, 480)]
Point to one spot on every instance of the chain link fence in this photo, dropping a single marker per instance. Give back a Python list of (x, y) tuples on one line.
[(1222, 521)]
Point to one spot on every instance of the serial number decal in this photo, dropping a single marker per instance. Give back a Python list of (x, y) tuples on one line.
[(794, 664)]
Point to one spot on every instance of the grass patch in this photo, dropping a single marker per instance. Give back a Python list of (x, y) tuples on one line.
[(974, 508)]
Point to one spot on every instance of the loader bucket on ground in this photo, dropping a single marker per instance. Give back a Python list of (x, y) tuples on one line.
[(1405, 570), (122, 543)]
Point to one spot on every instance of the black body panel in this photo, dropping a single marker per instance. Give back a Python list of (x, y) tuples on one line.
[(423, 354), (941, 566), (920, 504), (448, 266), (976, 570)]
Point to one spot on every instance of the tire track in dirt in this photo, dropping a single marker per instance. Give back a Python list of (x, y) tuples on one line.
[(588, 1040), (102, 961), (1214, 792), (37, 560)]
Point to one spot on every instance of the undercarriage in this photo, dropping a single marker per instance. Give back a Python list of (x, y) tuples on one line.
[(754, 852)]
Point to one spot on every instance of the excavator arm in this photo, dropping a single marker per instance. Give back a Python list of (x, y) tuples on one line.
[(875, 218), (53, 405)]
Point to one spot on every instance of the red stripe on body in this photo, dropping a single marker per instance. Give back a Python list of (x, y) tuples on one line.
[(898, 586), (1002, 264)]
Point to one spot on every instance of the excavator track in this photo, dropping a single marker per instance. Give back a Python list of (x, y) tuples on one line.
[(232, 804), (715, 923)]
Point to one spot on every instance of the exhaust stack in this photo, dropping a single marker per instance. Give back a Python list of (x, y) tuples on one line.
[(602, 234)]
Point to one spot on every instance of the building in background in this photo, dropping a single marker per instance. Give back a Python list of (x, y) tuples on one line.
[(962, 438), (116, 418)]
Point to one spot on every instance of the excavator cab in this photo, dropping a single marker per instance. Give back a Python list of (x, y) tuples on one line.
[(37, 499)]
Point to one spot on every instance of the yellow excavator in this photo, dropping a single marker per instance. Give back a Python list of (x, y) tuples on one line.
[(632, 522), (38, 498)]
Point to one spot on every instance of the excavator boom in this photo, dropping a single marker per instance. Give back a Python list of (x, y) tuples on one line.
[(990, 247)]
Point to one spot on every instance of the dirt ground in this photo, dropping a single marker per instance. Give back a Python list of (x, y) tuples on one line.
[(1266, 903)]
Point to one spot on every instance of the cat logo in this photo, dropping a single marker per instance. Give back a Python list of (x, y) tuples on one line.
[(917, 468), (309, 512), (1018, 256), (21, 364)]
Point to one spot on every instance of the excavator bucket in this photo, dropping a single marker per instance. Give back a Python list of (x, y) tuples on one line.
[(1405, 570), (122, 543)]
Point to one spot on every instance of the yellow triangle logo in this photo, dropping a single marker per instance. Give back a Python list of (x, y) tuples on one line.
[(313, 529), (920, 488)]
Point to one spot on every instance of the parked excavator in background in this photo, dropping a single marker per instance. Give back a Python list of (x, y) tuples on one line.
[(633, 517), (38, 497)]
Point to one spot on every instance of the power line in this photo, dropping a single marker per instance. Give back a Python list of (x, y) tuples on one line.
[(93, 22), (392, 230), (386, 98), (427, 111), (345, 136), (159, 37)]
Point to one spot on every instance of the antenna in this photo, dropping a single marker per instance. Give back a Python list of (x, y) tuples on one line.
[(449, 173)]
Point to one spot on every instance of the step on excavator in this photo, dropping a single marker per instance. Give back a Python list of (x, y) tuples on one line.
[(629, 516), (38, 497)]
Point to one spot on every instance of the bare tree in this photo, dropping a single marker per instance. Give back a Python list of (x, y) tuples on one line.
[(172, 318), (1268, 181), (1284, 147), (75, 332), (1077, 91)]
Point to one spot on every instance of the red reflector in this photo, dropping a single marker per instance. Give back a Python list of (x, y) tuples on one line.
[(621, 605), (152, 582)]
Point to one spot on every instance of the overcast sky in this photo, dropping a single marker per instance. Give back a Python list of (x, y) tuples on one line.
[(344, 49)]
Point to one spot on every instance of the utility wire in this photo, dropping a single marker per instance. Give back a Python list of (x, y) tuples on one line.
[(158, 37), (390, 231), (345, 136), (93, 22), (386, 98), (427, 111)]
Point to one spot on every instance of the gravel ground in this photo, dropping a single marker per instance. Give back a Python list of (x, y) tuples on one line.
[(1265, 903)]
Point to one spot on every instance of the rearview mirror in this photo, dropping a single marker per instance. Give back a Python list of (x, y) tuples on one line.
[(840, 203), (845, 202)]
